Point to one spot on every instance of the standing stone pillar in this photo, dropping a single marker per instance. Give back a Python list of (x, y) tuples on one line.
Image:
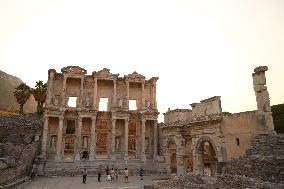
[(114, 94), (95, 94), (63, 97), (112, 145), (50, 85), (126, 139), (143, 95), (143, 154), (179, 155), (79, 140), (44, 136), (59, 139), (155, 139), (82, 91), (93, 140), (262, 97), (127, 93)]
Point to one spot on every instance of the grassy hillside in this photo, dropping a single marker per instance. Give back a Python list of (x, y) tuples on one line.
[(7, 100)]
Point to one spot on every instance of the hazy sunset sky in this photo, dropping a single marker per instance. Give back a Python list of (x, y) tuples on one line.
[(198, 49)]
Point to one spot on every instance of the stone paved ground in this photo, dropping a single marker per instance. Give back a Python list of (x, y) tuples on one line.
[(92, 183)]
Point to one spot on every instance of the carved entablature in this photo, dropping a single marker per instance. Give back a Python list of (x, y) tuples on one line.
[(153, 80), (149, 115), (120, 114), (87, 113), (174, 124), (74, 70), (134, 77), (105, 74)]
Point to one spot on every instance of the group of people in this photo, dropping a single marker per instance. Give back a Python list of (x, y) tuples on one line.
[(112, 174)]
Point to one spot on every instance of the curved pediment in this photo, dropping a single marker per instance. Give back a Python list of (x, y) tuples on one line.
[(105, 74), (74, 70)]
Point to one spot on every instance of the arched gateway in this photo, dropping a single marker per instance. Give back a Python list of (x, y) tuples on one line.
[(206, 157)]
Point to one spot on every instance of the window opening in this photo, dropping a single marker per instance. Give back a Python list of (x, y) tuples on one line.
[(132, 105), (72, 101), (238, 141), (103, 104)]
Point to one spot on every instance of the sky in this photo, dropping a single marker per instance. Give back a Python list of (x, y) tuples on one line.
[(198, 49)]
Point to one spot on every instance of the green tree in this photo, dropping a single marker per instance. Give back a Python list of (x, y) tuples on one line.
[(39, 93), (22, 93)]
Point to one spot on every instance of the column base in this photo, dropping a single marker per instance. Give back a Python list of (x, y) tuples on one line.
[(58, 158), (143, 158), (77, 157), (126, 157), (92, 158), (112, 157)]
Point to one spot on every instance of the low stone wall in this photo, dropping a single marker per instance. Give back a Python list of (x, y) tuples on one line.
[(18, 163), (20, 129)]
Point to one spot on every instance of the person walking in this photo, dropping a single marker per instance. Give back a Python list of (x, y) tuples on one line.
[(99, 174), (116, 175), (126, 174), (84, 175), (141, 173)]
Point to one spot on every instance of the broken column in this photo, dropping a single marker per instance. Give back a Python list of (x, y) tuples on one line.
[(262, 97)]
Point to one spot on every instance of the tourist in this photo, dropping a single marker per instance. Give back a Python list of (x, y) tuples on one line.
[(84, 175), (116, 175), (141, 173), (126, 174), (99, 174), (112, 174)]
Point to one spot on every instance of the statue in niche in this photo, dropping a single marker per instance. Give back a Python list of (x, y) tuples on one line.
[(53, 142), (120, 103), (148, 104), (88, 102), (117, 143), (146, 144), (85, 142)]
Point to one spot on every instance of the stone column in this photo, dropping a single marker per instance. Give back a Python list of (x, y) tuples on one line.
[(143, 95), (93, 140), (126, 139), (63, 97), (127, 93), (114, 94), (95, 94), (154, 93), (112, 145), (155, 139), (59, 139), (179, 155), (44, 136), (82, 92), (50, 86), (143, 154), (79, 142)]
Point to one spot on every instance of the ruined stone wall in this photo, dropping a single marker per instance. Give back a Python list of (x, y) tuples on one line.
[(265, 160), (177, 115), (207, 107), (20, 129), (16, 161), (238, 130)]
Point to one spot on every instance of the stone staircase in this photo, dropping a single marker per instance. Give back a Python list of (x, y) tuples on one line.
[(67, 168), (265, 159)]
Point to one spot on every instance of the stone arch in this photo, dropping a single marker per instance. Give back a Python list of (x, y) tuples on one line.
[(171, 155), (205, 154)]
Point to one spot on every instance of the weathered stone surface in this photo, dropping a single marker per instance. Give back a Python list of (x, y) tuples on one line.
[(20, 129)]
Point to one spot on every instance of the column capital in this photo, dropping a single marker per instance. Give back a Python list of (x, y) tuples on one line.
[(94, 118), (126, 119), (61, 118), (143, 120)]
